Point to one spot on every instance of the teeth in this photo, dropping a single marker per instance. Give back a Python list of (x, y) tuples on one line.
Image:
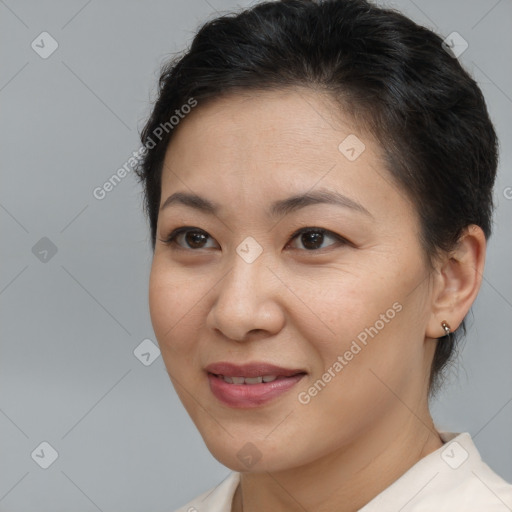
[(249, 380), (253, 380)]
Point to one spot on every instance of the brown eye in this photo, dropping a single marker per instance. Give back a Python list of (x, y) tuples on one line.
[(188, 238), (312, 239), (194, 239)]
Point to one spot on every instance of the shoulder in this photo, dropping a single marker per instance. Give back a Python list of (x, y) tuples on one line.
[(481, 489), (453, 478), (470, 483), (216, 499)]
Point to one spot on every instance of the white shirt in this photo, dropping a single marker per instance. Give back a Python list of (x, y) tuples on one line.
[(452, 479)]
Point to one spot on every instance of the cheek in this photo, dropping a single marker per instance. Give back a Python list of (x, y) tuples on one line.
[(173, 307), (362, 318), (336, 306)]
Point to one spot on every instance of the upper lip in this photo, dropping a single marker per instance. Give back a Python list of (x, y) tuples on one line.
[(257, 369)]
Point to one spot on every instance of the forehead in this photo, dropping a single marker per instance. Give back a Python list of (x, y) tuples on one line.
[(269, 144), (283, 127), (281, 119)]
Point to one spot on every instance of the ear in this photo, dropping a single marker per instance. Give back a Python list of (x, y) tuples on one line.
[(457, 282)]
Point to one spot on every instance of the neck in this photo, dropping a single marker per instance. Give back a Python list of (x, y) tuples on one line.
[(346, 479)]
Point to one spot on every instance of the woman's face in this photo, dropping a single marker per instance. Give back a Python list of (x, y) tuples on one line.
[(339, 318)]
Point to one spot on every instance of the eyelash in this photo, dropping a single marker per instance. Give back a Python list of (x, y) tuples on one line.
[(171, 239)]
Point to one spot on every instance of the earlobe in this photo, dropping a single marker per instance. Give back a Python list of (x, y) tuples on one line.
[(457, 283)]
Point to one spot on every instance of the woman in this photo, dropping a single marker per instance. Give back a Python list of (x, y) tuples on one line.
[(318, 179)]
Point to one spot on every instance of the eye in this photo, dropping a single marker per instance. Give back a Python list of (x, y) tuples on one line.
[(312, 239), (193, 238)]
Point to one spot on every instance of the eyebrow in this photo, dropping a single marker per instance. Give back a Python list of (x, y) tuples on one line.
[(281, 207)]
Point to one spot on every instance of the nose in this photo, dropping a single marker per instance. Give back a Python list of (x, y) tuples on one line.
[(248, 302)]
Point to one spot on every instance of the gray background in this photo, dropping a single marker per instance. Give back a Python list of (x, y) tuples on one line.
[(69, 326)]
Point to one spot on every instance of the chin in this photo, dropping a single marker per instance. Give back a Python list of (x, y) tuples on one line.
[(245, 456)]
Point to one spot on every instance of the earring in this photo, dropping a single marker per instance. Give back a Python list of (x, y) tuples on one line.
[(446, 327)]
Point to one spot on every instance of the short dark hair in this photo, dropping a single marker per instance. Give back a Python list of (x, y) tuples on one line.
[(391, 76)]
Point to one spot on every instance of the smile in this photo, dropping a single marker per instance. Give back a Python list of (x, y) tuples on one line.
[(250, 385)]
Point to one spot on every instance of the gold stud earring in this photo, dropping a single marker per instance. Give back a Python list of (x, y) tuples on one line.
[(446, 327)]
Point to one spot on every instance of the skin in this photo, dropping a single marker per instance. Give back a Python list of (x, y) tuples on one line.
[(301, 308)]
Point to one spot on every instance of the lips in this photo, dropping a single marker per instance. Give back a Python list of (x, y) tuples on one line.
[(250, 385)]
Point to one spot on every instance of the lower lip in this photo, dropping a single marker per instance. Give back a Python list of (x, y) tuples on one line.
[(250, 395)]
